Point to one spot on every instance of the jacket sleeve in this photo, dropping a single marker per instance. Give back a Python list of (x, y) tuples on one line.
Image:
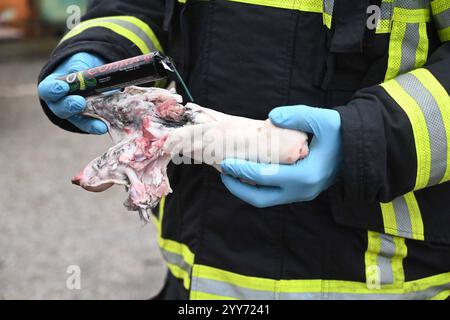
[(114, 30), (396, 140)]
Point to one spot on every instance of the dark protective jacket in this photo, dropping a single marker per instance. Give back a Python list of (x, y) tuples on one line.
[(383, 231)]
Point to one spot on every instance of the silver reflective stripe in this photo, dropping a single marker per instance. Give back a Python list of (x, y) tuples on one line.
[(387, 252), (127, 25), (225, 289), (177, 260), (402, 217), (435, 125), (443, 19), (228, 290), (328, 6), (409, 47), (412, 4), (418, 295), (136, 30), (386, 10)]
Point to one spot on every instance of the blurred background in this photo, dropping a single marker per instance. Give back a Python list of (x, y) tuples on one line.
[(46, 224)]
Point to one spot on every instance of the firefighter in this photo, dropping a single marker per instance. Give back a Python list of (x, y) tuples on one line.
[(365, 216)]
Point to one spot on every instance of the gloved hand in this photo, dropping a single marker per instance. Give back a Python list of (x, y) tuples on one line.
[(301, 182), (54, 93)]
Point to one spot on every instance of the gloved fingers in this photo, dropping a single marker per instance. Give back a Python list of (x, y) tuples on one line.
[(68, 106), (51, 90), (301, 118), (260, 197), (271, 175), (89, 125)]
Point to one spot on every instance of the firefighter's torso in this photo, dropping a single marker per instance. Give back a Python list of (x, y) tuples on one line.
[(245, 58)]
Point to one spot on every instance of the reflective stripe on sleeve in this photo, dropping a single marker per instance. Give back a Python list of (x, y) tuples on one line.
[(403, 218), (441, 15), (425, 102), (135, 30)]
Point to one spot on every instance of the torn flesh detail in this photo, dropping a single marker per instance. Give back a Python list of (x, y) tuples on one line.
[(150, 126)]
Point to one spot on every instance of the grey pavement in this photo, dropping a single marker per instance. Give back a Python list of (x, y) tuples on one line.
[(46, 223)]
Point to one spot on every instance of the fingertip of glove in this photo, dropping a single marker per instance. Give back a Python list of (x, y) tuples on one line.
[(98, 127), (53, 89), (59, 88), (276, 116)]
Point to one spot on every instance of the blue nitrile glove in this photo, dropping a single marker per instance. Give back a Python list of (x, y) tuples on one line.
[(301, 182), (54, 93)]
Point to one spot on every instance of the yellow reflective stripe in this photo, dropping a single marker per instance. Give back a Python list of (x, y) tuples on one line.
[(417, 228), (81, 80), (371, 257), (389, 221), (442, 296), (411, 286), (392, 11), (411, 15), (196, 295), (108, 22), (384, 260), (255, 283), (420, 130), (395, 50), (441, 13), (170, 245), (117, 29), (430, 288), (401, 251), (144, 27), (423, 46), (444, 34), (384, 26), (430, 121), (405, 220), (327, 20), (315, 6), (439, 6), (301, 5), (443, 100), (181, 274), (176, 248), (162, 205)]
